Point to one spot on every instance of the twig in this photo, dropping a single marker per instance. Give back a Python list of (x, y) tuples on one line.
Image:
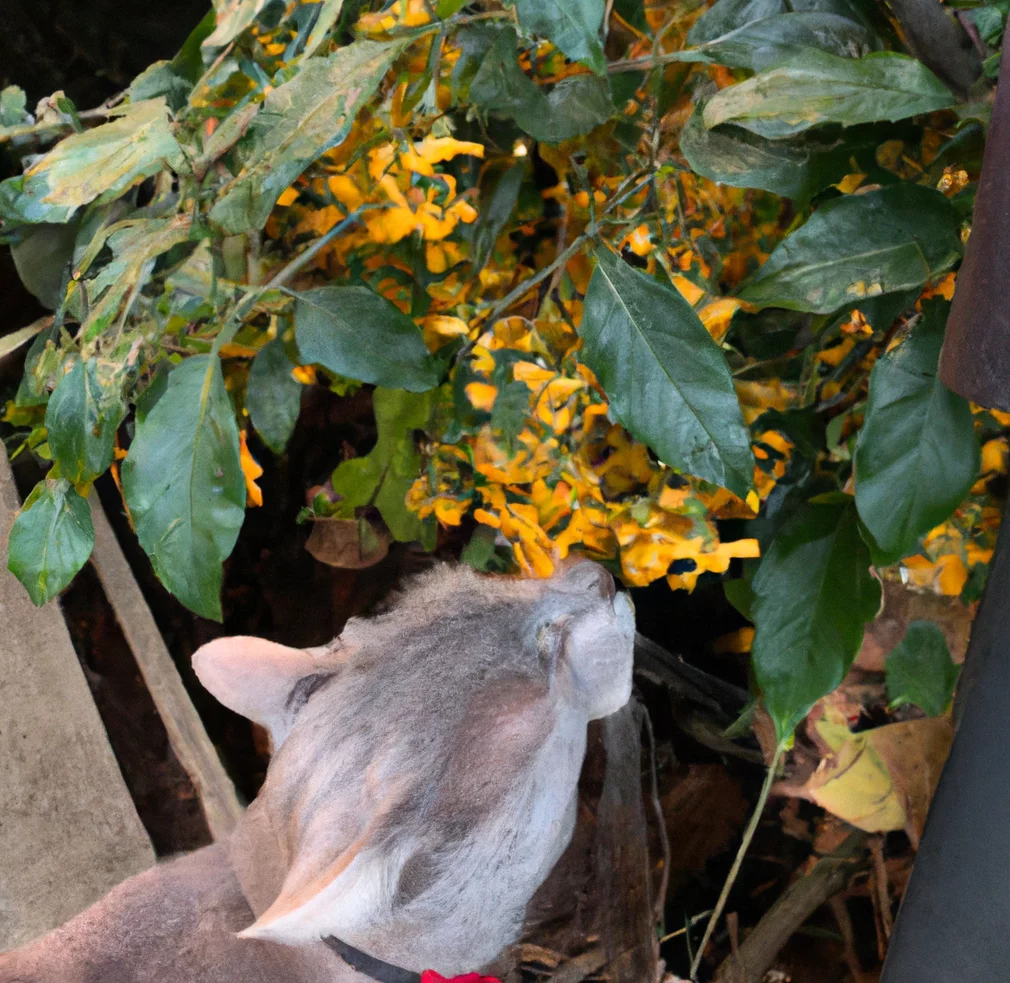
[(841, 913), (591, 232), (29, 129), (882, 898), (797, 903), (659, 904), (738, 861)]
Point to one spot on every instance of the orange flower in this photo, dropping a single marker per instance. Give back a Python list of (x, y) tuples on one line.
[(251, 470)]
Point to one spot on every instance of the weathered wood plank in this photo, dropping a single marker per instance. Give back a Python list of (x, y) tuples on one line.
[(69, 831), (186, 732)]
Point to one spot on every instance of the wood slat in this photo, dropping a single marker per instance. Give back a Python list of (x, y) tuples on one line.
[(69, 831), (186, 732)]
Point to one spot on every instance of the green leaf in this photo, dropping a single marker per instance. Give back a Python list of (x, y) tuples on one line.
[(772, 40), (728, 15), (859, 246), (356, 333), (327, 17), (188, 61), (96, 165), (42, 254), (233, 17), (184, 486), (136, 245), (160, 80), (301, 120), (920, 670), (667, 380), (813, 594), (916, 455), (740, 594), (817, 87), (572, 25), (796, 168), (273, 396), (12, 106), (82, 417), (497, 203), (575, 105), (383, 477), (51, 539)]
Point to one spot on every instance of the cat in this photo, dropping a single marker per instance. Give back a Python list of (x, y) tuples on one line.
[(422, 786)]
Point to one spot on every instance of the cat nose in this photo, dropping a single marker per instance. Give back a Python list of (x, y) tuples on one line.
[(591, 576)]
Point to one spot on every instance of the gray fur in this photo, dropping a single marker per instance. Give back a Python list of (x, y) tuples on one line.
[(422, 787)]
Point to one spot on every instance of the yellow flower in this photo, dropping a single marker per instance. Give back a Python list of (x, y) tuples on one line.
[(717, 315), (439, 329), (251, 470), (689, 290), (434, 150), (401, 13), (482, 395)]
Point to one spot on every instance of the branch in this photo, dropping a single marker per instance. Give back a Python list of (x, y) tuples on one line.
[(799, 901)]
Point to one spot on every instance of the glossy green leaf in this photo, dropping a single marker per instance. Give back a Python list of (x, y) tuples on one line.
[(817, 87), (572, 25), (796, 168), (575, 105), (666, 379), (356, 333), (42, 254), (233, 17), (383, 477), (859, 246), (497, 203), (772, 40), (51, 539), (917, 455), (920, 670), (301, 120), (82, 417), (184, 486), (813, 594), (273, 396), (96, 165), (727, 15)]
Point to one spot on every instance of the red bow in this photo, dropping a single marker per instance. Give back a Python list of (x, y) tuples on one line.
[(430, 976)]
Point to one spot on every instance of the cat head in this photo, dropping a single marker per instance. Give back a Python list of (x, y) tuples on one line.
[(426, 762)]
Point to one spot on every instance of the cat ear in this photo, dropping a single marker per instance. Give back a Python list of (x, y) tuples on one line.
[(264, 681)]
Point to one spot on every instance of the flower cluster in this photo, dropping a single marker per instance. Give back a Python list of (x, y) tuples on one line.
[(571, 478)]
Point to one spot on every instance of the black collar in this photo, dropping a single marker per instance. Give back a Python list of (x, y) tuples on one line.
[(381, 971)]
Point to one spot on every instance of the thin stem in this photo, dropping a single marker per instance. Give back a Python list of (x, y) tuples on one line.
[(748, 835), (234, 320), (591, 232), (99, 112), (644, 64)]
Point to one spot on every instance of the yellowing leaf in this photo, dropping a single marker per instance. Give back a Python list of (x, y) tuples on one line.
[(882, 779)]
